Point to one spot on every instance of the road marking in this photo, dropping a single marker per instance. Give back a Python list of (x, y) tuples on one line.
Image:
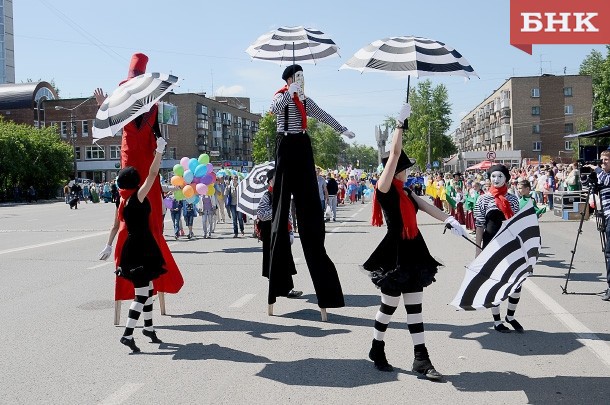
[(354, 214), (296, 260), (585, 335), (122, 394), (242, 301), (335, 229), (55, 242), (97, 266)]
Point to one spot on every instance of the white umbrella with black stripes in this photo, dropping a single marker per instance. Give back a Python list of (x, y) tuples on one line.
[(130, 100), (290, 45), (251, 189)]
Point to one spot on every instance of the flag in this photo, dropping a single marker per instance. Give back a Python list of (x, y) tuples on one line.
[(504, 263)]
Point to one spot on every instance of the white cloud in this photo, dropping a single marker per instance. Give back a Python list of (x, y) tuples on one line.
[(228, 91)]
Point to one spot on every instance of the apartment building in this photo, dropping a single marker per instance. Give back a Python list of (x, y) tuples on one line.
[(527, 118)]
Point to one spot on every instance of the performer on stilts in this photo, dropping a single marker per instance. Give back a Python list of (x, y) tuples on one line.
[(490, 210), (295, 174), (141, 260), (402, 264)]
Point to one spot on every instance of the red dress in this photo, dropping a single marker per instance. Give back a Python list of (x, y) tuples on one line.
[(137, 150)]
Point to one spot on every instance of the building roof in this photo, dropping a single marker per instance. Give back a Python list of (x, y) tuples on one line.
[(24, 95)]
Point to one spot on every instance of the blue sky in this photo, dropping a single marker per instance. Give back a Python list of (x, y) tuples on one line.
[(82, 45)]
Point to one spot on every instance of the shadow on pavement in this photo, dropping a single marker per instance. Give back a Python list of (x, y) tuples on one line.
[(334, 318), (199, 351), (212, 322), (351, 300), (546, 390)]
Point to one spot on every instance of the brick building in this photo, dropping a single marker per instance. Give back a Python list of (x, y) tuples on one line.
[(527, 118)]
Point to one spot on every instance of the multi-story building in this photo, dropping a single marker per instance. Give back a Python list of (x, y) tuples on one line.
[(222, 128), (526, 118), (7, 43)]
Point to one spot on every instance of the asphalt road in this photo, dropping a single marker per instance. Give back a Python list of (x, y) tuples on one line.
[(59, 344)]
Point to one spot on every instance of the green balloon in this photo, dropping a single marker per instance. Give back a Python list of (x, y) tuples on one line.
[(178, 170), (204, 159), (178, 195)]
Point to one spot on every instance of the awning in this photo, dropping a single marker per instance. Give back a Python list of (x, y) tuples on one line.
[(604, 131)]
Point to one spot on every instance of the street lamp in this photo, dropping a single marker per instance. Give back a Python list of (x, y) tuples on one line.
[(429, 147), (73, 130)]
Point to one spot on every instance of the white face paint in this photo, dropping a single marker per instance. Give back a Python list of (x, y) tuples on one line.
[(300, 80), (498, 179)]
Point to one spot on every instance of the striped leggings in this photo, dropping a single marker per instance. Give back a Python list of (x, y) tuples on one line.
[(513, 300), (142, 303), (413, 304)]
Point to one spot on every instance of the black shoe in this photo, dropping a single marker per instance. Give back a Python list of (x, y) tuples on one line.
[(294, 294), (152, 335), (501, 328), (425, 368), (131, 343), (516, 325), (377, 355), (606, 295)]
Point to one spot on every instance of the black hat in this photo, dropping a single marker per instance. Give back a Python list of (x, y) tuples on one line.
[(128, 178), (270, 175), (404, 162), (290, 71), (499, 168)]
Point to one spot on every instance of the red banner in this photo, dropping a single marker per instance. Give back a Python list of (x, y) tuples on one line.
[(559, 22)]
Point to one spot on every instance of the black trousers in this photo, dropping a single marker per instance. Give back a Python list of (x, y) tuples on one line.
[(295, 174)]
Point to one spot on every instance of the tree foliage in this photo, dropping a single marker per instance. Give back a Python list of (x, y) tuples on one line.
[(361, 156), (33, 157), (327, 145), (430, 111), (263, 142), (598, 67)]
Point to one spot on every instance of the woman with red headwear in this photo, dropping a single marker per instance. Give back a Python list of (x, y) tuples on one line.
[(402, 264), (490, 210)]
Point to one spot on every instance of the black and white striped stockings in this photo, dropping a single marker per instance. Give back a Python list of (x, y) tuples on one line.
[(513, 301), (142, 303), (413, 304)]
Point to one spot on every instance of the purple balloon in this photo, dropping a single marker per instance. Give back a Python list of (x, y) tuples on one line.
[(207, 179), (168, 202), (210, 167)]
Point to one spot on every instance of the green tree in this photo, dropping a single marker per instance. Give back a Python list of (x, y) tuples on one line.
[(430, 111), (33, 157), (598, 67), (326, 143), (263, 142), (362, 156)]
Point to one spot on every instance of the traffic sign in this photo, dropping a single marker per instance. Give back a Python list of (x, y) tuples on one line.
[(491, 155), (428, 166), (435, 163)]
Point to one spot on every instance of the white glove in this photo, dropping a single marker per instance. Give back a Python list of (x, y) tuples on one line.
[(294, 88), (405, 112), (348, 134), (105, 254), (161, 143), (455, 227), (291, 237)]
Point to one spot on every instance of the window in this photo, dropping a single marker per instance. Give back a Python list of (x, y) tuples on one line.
[(536, 92), (115, 152), (568, 109), (202, 109), (77, 152), (567, 92), (537, 146), (94, 152), (568, 145), (63, 128), (85, 128), (171, 154), (536, 129), (569, 128), (536, 110)]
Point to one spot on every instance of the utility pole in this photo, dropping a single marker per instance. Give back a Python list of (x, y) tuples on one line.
[(429, 146)]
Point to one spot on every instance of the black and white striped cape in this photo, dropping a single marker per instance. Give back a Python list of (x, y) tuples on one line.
[(503, 264)]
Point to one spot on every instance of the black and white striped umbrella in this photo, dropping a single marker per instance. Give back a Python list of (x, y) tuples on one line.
[(252, 188), (413, 56), (130, 100), (290, 45), (504, 263)]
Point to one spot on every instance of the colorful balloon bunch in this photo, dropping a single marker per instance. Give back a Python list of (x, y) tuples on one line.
[(195, 177)]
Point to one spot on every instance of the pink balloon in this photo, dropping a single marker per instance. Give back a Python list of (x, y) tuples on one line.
[(202, 189), (184, 162)]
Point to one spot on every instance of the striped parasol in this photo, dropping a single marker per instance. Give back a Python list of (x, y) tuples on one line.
[(504, 263), (130, 100), (289, 45), (412, 56), (252, 188)]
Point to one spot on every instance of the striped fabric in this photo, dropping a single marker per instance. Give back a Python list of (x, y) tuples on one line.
[(503, 265), (487, 202), (131, 99), (289, 45), (413, 56), (252, 188), (281, 100), (603, 179)]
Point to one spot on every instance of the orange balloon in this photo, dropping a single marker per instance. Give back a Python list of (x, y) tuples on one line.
[(188, 191), (177, 181)]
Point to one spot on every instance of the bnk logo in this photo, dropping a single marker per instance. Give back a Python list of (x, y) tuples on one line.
[(559, 22)]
